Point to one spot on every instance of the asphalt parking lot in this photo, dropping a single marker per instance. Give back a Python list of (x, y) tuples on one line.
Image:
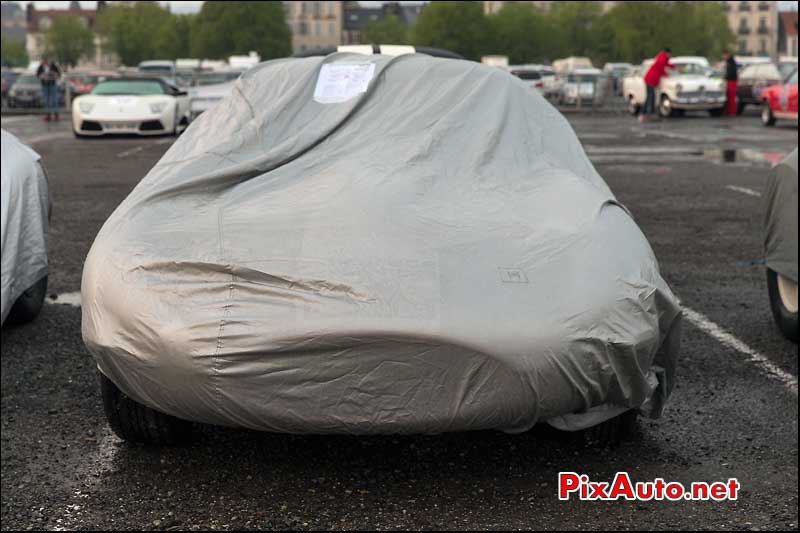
[(693, 185)]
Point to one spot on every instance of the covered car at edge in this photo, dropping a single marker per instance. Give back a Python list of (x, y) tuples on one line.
[(24, 228), (373, 244), (780, 243)]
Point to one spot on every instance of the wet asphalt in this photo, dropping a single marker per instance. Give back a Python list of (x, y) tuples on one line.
[(63, 469)]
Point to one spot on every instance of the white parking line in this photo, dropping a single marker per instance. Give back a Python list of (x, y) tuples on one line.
[(67, 298), (703, 323), (126, 153), (744, 190)]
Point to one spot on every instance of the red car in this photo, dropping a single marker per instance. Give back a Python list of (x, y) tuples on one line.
[(780, 101)]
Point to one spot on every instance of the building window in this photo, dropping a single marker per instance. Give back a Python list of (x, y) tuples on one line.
[(742, 47), (726, 6), (744, 6), (331, 28), (762, 46), (763, 6), (317, 29), (303, 28)]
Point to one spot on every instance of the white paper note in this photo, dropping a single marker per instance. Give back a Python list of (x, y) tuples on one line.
[(339, 83)]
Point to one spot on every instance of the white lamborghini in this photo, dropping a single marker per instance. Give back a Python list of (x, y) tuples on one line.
[(138, 106)]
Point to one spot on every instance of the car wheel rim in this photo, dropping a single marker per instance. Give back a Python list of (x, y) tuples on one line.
[(788, 292), (765, 114)]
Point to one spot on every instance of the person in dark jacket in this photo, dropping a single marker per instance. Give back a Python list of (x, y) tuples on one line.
[(48, 74), (731, 78), (651, 80)]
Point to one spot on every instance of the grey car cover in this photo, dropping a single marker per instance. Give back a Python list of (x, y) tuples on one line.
[(374, 244), (780, 219), (24, 206)]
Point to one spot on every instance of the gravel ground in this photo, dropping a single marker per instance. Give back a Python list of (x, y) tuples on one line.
[(62, 467)]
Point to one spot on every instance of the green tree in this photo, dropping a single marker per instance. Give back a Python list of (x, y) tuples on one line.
[(388, 31), (460, 27), (578, 26), (521, 32), (130, 29), (68, 40), (222, 29), (173, 39), (13, 53)]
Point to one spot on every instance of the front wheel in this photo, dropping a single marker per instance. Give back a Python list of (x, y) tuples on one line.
[(783, 301), (767, 118), (29, 303), (665, 107), (134, 422)]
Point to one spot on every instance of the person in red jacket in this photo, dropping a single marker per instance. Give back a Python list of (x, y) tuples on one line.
[(651, 80)]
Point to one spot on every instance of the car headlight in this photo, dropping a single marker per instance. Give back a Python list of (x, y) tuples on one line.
[(85, 107), (157, 107), (678, 88)]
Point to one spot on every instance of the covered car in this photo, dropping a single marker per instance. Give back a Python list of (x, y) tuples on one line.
[(780, 243), (368, 244), (24, 213), (132, 106)]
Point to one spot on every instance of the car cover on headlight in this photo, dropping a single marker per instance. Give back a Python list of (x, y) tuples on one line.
[(24, 205), (780, 218), (374, 244)]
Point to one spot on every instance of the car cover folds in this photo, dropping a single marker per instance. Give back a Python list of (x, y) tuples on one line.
[(374, 244), (780, 218), (24, 207)]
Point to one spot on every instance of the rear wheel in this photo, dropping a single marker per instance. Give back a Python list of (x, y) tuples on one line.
[(767, 118), (134, 422), (633, 107), (783, 301), (29, 303)]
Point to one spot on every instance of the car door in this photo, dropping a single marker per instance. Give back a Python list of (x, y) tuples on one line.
[(634, 86)]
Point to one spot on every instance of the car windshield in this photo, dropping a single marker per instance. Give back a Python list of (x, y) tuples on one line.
[(526, 74), (128, 87), (691, 68), (787, 68), (27, 79), (216, 78)]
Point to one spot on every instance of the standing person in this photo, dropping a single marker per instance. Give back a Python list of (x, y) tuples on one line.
[(731, 79), (48, 74), (651, 80)]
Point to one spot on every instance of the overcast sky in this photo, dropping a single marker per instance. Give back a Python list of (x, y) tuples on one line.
[(191, 7)]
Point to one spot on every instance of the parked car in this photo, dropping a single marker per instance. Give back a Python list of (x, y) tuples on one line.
[(8, 79), (25, 213), (288, 265), (780, 101), (79, 83), (532, 77), (616, 73), (204, 97), (757, 76), (384, 49), (580, 87), (690, 86), (160, 68), (780, 244), (25, 92), (140, 106)]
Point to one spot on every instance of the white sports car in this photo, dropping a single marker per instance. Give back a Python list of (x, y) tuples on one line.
[(688, 87), (140, 106)]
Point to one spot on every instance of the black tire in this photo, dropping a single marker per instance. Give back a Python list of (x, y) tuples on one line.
[(767, 118), (665, 110), (717, 112), (613, 431), (786, 320), (29, 303), (134, 422), (633, 108)]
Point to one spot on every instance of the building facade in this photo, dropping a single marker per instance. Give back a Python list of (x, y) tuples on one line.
[(13, 22), (755, 25), (40, 20), (492, 7), (787, 36), (314, 24)]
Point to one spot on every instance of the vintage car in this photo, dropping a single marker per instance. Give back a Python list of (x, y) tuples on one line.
[(780, 101), (688, 87)]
